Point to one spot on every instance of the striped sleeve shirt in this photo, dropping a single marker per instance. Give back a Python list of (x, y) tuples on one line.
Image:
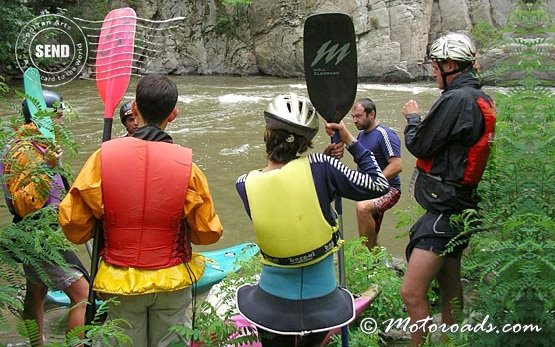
[(333, 179)]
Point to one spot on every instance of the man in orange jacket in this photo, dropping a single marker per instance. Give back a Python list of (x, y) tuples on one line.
[(149, 221)]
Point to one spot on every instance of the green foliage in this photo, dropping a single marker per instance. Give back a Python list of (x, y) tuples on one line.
[(237, 2), (13, 16), (364, 269), (485, 35), (91, 10), (530, 18), (214, 329), (9, 130), (511, 263), (357, 338), (3, 87), (468, 222), (37, 6), (100, 332), (37, 240), (223, 24), (33, 241), (30, 330), (407, 216)]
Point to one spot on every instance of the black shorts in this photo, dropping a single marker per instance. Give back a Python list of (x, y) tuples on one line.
[(433, 232)]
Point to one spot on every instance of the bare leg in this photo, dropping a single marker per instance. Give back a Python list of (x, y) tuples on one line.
[(449, 279), (78, 293), (423, 267), (34, 307), (366, 223)]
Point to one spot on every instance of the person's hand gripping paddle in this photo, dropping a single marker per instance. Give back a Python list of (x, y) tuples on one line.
[(330, 64), (114, 58)]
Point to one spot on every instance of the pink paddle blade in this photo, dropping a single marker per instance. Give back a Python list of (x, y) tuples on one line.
[(114, 57)]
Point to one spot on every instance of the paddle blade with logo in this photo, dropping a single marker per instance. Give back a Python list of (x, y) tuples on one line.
[(114, 58), (330, 64), (33, 89)]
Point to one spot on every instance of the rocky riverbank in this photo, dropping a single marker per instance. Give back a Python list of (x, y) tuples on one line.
[(265, 37)]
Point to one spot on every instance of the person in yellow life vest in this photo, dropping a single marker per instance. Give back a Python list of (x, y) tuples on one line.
[(297, 299), (149, 221), (30, 181)]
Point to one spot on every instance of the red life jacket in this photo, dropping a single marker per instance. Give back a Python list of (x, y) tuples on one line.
[(144, 184), (478, 153)]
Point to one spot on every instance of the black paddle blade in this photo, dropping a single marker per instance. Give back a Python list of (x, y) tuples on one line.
[(330, 64)]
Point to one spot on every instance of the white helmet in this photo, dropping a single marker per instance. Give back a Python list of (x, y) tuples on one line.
[(292, 113), (453, 46)]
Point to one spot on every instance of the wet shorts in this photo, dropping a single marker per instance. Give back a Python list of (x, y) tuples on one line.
[(433, 232), (60, 278), (384, 203)]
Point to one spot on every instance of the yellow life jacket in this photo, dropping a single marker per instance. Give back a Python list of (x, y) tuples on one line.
[(290, 228)]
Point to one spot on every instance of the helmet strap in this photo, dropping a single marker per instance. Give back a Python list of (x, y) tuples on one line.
[(443, 75), (462, 67)]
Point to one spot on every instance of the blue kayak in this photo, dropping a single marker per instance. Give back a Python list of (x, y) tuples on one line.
[(219, 264)]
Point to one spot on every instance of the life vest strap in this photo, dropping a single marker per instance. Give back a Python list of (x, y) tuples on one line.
[(307, 256)]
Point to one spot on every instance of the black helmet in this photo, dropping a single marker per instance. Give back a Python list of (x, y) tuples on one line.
[(50, 98), (125, 111)]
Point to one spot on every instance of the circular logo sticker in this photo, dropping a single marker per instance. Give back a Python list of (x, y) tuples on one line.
[(55, 45)]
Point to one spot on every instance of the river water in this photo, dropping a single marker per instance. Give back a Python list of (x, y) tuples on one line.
[(221, 119)]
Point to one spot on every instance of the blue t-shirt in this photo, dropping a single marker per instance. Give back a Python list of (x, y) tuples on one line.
[(384, 143)]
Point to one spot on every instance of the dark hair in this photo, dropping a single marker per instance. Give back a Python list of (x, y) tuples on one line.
[(368, 105), (279, 150), (156, 97)]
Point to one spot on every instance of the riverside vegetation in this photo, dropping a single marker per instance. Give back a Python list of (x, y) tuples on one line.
[(38, 239), (510, 264)]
